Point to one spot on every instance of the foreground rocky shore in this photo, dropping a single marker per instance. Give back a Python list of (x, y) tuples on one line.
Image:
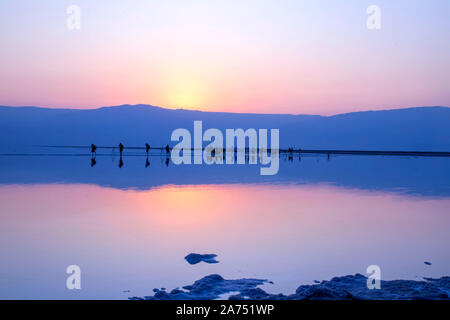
[(351, 287)]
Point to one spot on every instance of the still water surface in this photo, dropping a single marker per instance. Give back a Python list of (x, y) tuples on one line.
[(130, 228)]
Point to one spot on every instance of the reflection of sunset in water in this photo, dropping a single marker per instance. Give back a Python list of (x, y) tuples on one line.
[(289, 234)]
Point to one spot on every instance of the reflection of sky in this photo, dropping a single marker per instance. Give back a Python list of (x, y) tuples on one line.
[(258, 56), (137, 239), (420, 176)]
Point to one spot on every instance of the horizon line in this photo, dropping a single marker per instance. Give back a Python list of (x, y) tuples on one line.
[(228, 112)]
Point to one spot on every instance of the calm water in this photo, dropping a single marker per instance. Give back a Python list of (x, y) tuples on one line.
[(130, 228)]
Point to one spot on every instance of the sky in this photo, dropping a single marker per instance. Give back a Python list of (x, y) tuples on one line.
[(259, 56)]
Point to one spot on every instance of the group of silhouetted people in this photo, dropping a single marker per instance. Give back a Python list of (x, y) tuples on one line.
[(121, 148), (290, 152)]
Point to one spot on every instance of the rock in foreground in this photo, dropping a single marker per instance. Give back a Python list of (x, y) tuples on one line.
[(194, 258), (351, 287)]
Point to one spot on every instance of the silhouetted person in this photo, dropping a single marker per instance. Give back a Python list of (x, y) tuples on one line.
[(147, 148), (147, 162), (93, 148), (93, 161), (167, 162), (167, 149), (121, 148)]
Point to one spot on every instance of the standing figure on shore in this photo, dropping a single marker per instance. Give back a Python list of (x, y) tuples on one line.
[(167, 149), (147, 148), (93, 154), (93, 149), (121, 148), (290, 155)]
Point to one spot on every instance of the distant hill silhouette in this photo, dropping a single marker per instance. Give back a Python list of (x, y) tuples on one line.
[(422, 128)]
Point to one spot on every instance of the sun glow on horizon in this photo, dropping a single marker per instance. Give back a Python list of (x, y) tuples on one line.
[(186, 93)]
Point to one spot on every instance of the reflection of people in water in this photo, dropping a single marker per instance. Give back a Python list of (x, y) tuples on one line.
[(167, 162), (167, 149), (147, 162), (147, 148), (120, 161), (93, 161)]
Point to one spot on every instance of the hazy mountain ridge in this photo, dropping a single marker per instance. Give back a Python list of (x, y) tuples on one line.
[(421, 128)]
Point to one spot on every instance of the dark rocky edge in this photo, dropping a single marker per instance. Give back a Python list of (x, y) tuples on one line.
[(351, 287), (194, 258)]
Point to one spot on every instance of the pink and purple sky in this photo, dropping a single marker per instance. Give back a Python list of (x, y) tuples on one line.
[(315, 57)]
